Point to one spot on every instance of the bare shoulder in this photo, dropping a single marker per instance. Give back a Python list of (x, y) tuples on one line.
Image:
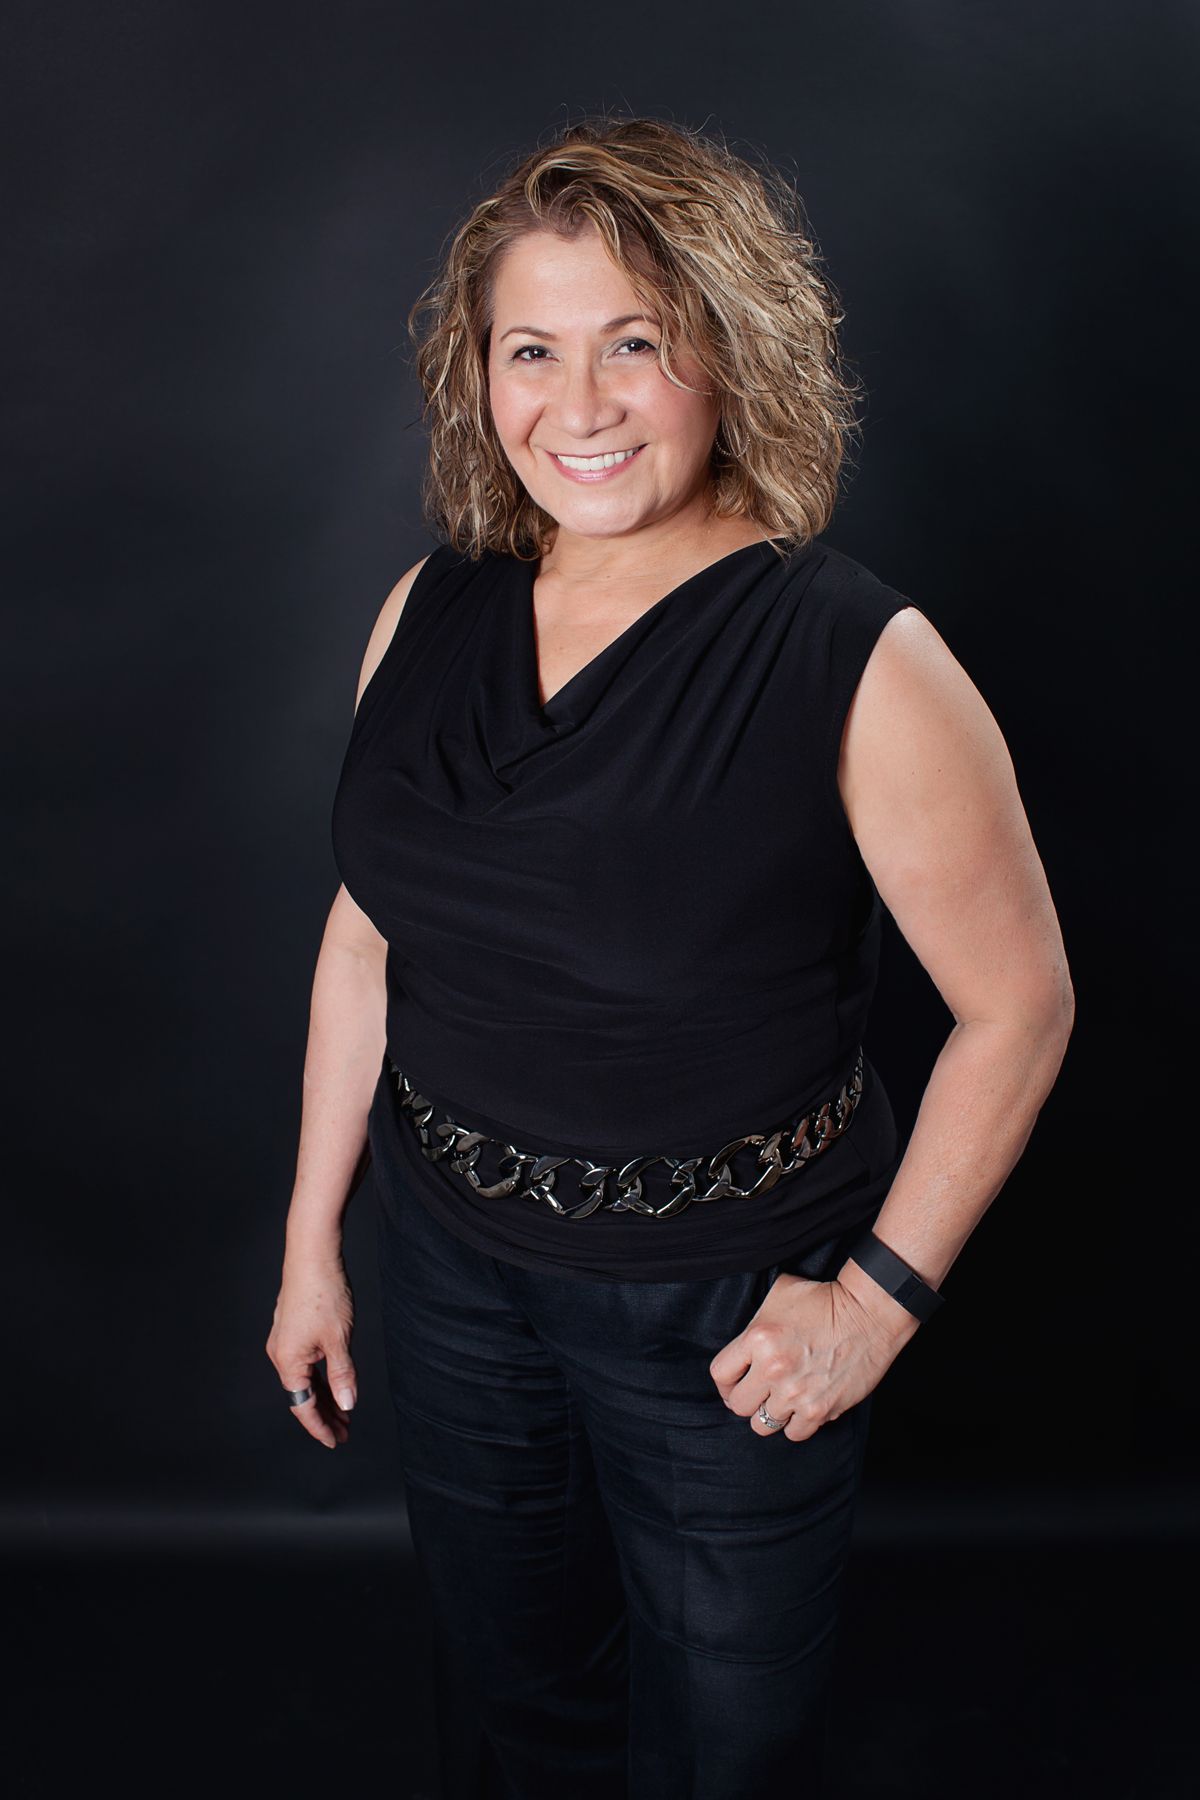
[(929, 787), (919, 738), (384, 628), (915, 697)]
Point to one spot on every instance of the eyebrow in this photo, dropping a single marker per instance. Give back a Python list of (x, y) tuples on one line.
[(613, 325)]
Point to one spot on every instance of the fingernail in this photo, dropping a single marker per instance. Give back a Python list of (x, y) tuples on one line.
[(346, 1400)]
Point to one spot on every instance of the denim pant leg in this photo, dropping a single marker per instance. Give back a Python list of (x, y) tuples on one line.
[(529, 1625), (732, 1545)]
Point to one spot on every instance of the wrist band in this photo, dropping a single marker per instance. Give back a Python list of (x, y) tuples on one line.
[(895, 1277)]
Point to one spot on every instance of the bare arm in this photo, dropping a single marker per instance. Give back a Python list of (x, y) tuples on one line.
[(341, 1067), (314, 1311), (930, 791), (345, 1035), (928, 788)]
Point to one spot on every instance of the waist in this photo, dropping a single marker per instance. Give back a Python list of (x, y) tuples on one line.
[(613, 1080), (655, 1184)]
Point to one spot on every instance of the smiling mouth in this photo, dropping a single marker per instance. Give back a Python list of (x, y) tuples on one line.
[(594, 465)]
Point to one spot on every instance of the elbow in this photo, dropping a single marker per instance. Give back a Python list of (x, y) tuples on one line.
[(1064, 1010), (1038, 1020), (1054, 1021), (1052, 1028), (1051, 1010)]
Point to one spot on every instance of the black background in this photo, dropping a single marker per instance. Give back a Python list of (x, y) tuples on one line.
[(217, 220)]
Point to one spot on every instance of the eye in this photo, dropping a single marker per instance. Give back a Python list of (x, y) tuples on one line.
[(644, 346)]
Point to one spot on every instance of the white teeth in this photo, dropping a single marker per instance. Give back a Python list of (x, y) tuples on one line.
[(598, 462)]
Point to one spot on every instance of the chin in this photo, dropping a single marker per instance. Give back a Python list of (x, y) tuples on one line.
[(599, 523)]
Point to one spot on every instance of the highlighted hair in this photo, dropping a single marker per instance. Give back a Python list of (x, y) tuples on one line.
[(720, 251)]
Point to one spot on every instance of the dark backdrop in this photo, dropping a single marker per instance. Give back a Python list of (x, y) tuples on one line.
[(217, 222)]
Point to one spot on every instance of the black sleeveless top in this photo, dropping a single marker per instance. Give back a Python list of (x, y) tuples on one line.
[(631, 921)]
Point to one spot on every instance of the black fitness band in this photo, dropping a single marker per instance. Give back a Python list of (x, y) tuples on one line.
[(895, 1277)]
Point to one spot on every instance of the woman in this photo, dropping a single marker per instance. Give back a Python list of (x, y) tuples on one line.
[(636, 760)]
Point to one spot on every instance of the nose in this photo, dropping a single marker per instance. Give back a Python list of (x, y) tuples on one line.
[(582, 404)]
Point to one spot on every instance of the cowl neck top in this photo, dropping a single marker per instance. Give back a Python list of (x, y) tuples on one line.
[(632, 919)]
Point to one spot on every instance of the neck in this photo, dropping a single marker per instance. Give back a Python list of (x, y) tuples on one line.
[(692, 535)]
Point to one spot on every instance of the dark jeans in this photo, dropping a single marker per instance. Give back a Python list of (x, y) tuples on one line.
[(635, 1596)]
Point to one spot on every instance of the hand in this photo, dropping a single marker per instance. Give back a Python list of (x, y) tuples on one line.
[(812, 1350), (314, 1318)]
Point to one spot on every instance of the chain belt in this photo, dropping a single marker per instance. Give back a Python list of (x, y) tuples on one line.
[(535, 1176)]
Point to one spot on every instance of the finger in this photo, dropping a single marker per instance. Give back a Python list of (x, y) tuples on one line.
[(748, 1394), (343, 1381), (745, 1401), (728, 1366), (740, 1367), (804, 1423), (332, 1418), (310, 1413), (778, 1411), (298, 1378)]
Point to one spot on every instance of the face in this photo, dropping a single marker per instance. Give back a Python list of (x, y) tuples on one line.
[(573, 373)]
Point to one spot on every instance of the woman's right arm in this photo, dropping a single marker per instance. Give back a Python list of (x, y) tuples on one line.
[(314, 1312), (341, 1066)]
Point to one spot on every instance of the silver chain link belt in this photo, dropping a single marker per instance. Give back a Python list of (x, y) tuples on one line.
[(535, 1176)]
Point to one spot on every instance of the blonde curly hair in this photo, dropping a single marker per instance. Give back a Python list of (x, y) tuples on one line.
[(720, 250)]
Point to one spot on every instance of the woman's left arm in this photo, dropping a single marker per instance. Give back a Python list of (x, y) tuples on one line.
[(929, 788)]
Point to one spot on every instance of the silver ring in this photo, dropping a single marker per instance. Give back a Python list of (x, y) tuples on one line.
[(297, 1396), (770, 1423)]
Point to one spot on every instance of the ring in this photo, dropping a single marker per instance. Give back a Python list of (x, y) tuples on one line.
[(297, 1396), (770, 1423)]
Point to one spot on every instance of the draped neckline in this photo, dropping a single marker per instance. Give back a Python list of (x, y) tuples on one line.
[(559, 705)]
